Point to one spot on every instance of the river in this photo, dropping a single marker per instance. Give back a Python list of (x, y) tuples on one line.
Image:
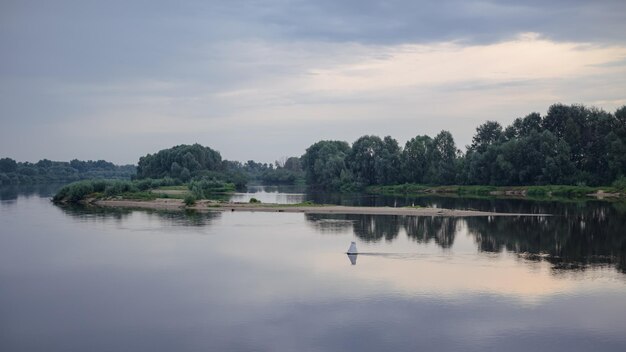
[(91, 279)]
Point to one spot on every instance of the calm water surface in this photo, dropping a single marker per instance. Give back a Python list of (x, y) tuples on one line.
[(75, 279)]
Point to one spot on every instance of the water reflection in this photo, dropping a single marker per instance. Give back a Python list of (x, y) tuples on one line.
[(372, 228), (426, 229), (568, 243), (12, 192), (180, 218), (582, 234), (91, 213), (576, 242), (271, 194), (267, 281), (330, 223)]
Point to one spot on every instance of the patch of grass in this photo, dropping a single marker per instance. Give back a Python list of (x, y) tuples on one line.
[(407, 188), (172, 188), (566, 191), (307, 203), (138, 195), (149, 183), (474, 189), (548, 191), (171, 195)]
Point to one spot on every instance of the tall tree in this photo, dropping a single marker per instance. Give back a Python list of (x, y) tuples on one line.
[(364, 156), (323, 163), (443, 161), (416, 158), (173, 161), (388, 162), (489, 133)]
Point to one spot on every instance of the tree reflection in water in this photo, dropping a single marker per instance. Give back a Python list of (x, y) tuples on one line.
[(579, 236), (575, 242), (177, 218), (595, 237), (441, 230)]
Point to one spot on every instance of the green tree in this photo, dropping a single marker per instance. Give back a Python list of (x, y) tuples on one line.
[(416, 158), (293, 164), (389, 162), (323, 163), (363, 158), (443, 161), (522, 127), (8, 165), (195, 158), (489, 133)]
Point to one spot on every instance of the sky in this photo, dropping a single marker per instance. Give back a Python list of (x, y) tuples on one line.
[(265, 79)]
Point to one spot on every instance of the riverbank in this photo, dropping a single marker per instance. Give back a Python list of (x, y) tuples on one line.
[(537, 192), (204, 205)]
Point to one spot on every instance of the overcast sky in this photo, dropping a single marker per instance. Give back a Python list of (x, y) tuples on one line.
[(260, 80)]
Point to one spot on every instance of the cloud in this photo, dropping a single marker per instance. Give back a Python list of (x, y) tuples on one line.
[(407, 21), (153, 73), (527, 57)]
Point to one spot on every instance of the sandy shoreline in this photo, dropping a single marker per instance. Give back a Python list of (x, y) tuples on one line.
[(177, 204)]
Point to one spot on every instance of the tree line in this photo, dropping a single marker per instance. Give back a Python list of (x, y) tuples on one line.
[(570, 145), (182, 163), (46, 171), (196, 162)]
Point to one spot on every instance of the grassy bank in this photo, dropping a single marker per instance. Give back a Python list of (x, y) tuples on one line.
[(547, 191), (147, 189)]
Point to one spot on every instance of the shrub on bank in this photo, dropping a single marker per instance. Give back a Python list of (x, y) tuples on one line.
[(204, 187), (150, 183), (75, 192), (78, 191), (620, 183), (189, 200), (118, 187)]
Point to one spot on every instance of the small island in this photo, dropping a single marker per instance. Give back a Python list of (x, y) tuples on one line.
[(166, 194)]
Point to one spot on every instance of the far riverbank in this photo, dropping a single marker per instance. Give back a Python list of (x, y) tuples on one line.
[(537, 192)]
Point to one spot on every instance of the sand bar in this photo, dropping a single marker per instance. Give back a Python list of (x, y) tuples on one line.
[(177, 204)]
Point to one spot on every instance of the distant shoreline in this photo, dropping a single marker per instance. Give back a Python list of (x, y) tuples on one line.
[(550, 192), (177, 204)]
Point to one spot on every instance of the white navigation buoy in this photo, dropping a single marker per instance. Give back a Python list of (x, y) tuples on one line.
[(352, 249), (352, 258)]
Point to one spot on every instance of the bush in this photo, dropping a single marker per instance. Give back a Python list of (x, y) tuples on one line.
[(204, 187), (254, 201), (143, 185), (189, 200), (620, 183), (78, 191), (137, 189), (118, 187), (75, 192)]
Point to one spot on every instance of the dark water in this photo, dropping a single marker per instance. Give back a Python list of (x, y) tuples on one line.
[(76, 279)]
